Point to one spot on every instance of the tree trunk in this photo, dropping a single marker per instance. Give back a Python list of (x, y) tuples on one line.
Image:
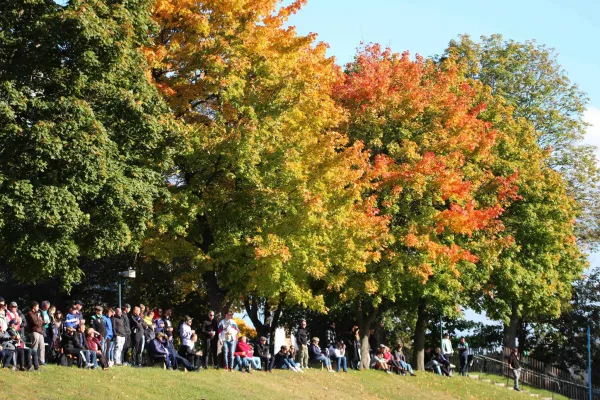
[(418, 358), (365, 356), (510, 330), (217, 295), (364, 325), (521, 334)]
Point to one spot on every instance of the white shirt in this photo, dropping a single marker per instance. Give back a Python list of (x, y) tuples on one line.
[(186, 335), (447, 346)]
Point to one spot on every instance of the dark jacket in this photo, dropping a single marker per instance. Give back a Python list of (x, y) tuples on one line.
[(514, 361), (98, 325), (118, 326), (303, 336), (156, 348), (279, 360), (261, 350), (354, 350), (137, 325), (208, 326), (331, 338), (81, 341), (70, 342), (35, 323), (126, 324)]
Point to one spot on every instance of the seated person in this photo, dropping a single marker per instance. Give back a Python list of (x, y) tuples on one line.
[(431, 362), (70, 345), (90, 358), (8, 348), (94, 344), (255, 361), (316, 354), (281, 361), (292, 357), (158, 351), (178, 359), (25, 355), (401, 359), (339, 355), (262, 350), (190, 353), (242, 359), (442, 361), (393, 365), (379, 362)]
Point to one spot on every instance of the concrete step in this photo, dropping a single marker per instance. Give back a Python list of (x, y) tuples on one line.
[(474, 376), (534, 395), (500, 384), (486, 380)]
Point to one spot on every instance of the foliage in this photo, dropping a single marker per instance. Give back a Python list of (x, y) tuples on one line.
[(83, 135), (246, 330)]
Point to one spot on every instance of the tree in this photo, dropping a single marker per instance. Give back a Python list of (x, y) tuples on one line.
[(267, 204), (84, 139), (435, 158)]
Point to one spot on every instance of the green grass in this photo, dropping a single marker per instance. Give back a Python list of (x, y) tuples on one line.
[(54, 382), (531, 389)]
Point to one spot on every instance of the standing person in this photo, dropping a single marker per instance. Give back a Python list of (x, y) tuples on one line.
[(354, 349), (119, 334), (262, 349), (209, 335), (186, 331), (3, 318), (514, 363), (228, 332), (331, 337), (110, 343), (303, 338), (447, 346), (12, 314), (100, 327), (168, 323), (137, 336), (127, 325), (35, 326), (463, 354), (46, 316)]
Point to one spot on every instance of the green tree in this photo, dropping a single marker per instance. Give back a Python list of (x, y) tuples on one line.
[(83, 135)]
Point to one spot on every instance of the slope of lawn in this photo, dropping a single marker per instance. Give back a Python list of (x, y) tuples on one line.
[(54, 382)]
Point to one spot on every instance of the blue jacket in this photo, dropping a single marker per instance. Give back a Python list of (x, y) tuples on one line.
[(157, 348), (109, 327), (72, 321)]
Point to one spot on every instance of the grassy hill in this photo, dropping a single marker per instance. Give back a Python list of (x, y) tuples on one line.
[(54, 382)]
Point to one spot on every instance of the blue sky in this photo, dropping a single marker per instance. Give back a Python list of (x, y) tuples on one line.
[(426, 26)]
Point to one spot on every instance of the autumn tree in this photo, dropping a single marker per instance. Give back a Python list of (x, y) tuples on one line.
[(82, 133), (268, 202), (435, 159)]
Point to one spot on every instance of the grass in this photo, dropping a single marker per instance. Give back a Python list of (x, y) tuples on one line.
[(524, 386), (54, 382)]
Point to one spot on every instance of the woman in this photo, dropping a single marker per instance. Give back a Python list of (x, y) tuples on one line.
[(339, 353), (291, 354), (25, 355), (442, 361), (316, 354), (354, 349), (401, 359), (189, 351), (392, 364), (379, 361), (94, 343)]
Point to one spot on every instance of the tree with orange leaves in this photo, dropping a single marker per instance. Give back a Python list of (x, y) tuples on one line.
[(268, 198), (435, 157)]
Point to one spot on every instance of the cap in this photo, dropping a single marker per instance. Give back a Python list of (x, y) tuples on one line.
[(98, 308), (79, 303), (126, 305), (12, 322), (13, 304), (188, 318)]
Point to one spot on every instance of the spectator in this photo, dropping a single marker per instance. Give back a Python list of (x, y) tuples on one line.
[(110, 343), (3, 317), (119, 336), (331, 337), (317, 355), (72, 319), (243, 354), (57, 329), (94, 343), (142, 310), (262, 350), (379, 361), (393, 365), (179, 360), (100, 327), (46, 316), (442, 361), (255, 361), (339, 355), (186, 331), (401, 359), (12, 314), (159, 326), (514, 364), (70, 345), (190, 353), (137, 336), (78, 305), (168, 323), (228, 332), (447, 346), (209, 336), (35, 326), (127, 325), (303, 338), (148, 318), (354, 349), (431, 362), (373, 343), (280, 361), (463, 354), (25, 355), (292, 354), (159, 352), (90, 358), (7, 345)]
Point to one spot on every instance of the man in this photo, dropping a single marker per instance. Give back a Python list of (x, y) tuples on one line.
[(90, 358), (72, 320), (447, 346), (127, 325), (280, 361), (514, 363), (303, 337), (186, 331), (35, 326), (168, 323), (190, 353), (331, 337), (463, 354), (228, 333), (3, 318), (209, 335), (78, 306), (179, 359), (119, 333), (12, 314), (100, 327), (262, 351), (160, 352), (137, 336), (110, 343)]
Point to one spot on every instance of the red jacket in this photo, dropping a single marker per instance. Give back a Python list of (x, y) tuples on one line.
[(243, 348)]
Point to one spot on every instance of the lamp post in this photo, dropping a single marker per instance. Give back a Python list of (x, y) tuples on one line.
[(129, 274), (589, 349)]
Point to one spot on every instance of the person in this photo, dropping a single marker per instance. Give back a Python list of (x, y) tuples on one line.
[(159, 326), (331, 337), (373, 343), (186, 331), (25, 355), (168, 323), (354, 349), (228, 332), (393, 365), (127, 325), (35, 326), (209, 336), (100, 327), (262, 349), (254, 360), (90, 358), (280, 361), (119, 336), (148, 318), (339, 354), (71, 345), (514, 364), (447, 346), (379, 361), (401, 359), (137, 336), (72, 319), (46, 316), (292, 354), (158, 351), (178, 359), (109, 338), (12, 314), (57, 326), (94, 342), (431, 362), (317, 355), (303, 337), (243, 354), (463, 354), (190, 353), (442, 361), (7, 345)]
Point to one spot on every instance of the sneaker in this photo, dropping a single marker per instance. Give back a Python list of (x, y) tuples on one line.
[(89, 365), (331, 370), (389, 372)]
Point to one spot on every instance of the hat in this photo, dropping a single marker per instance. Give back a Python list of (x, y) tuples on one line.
[(12, 322), (78, 303), (263, 338), (13, 304), (126, 305), (188, 318)]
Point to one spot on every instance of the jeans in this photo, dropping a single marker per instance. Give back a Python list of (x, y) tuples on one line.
[(241, 362), (517, 374), (326, 360), (255, 361), (6, 356), (303, 355), (406, 367), (267, 362), (118, 351), (111, 350), (37, 344), (464, 360), (341, 362), (283, 364), (435, 365), (228, 350)]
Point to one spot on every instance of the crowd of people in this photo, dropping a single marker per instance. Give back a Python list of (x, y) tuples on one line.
[(139, 336)]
